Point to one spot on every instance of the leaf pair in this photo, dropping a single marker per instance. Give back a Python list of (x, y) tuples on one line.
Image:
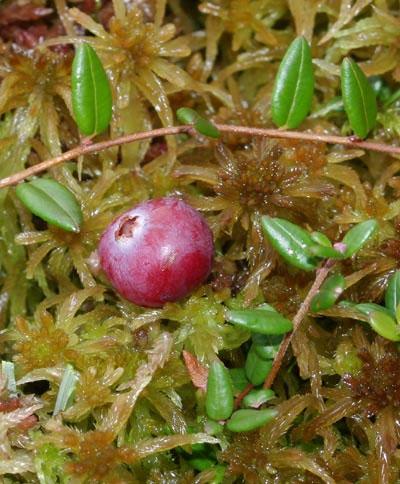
[(219, 402), (304, 250), (294, 87), (92, 107), (267, 326)]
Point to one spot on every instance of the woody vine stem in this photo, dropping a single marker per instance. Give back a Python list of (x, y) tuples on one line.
[(322, 274), (224, 128)]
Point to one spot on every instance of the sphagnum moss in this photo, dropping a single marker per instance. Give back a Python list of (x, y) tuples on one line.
[(137, 412)]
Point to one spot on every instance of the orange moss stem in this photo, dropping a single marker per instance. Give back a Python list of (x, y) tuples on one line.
[(322, 274), (85, 148)]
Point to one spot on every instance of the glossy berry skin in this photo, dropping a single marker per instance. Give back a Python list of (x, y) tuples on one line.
[(158, 251)]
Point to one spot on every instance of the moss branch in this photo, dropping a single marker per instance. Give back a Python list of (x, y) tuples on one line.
[(322, 274), (87, 148)]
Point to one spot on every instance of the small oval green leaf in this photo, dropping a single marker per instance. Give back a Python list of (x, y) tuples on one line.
[(91, 93), (384, 325), (219, 397), (290, 241), (392, 295), (358, 97), (294, 86), (247, 419), (52, 202), (256, 368), (259, 321), (357, 236), (202, 125), (329, 292), (258, 397)]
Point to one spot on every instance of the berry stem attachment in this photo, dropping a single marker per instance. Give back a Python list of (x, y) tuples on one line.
[(322, 274), (85, 148)]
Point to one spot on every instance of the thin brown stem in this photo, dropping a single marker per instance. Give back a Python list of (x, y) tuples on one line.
[(322, 274), (85, 149), (242, 394)]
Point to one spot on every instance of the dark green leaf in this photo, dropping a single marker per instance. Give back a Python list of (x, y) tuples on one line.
[(330, 290), (259, 321), (368, 308), (358, 97), (266, 346), (239, 379), (52, 202), (384, 325), (219, 397), (392, 295), (247, 419), (256, 398), (357, 236), (202, 125), (256, 368), (290, 241), (91, 93), (294, 86)]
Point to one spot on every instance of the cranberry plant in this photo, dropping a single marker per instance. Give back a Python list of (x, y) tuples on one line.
[(199, 302)]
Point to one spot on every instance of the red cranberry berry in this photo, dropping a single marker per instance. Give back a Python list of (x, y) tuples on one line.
[(156, 252)]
